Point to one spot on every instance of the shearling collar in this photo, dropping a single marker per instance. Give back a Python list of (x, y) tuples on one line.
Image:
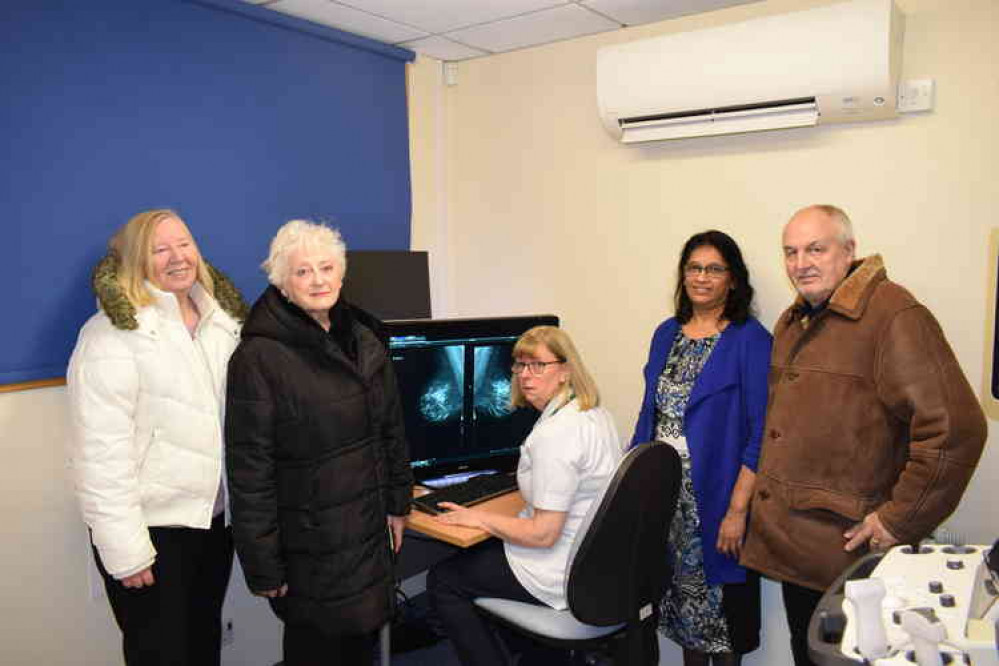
[(121, 311), (852, 295)]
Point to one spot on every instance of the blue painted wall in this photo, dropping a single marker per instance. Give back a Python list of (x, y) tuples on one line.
[(238, 121)]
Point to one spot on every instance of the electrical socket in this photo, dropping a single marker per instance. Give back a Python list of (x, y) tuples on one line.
[(916, 95), (946, 536), (228, 632)]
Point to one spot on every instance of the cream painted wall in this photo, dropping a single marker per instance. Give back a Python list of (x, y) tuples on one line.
[(47, 616), (537, 209), (527, 206)]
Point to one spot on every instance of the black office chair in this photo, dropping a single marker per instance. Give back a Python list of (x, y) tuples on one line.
[(617, 571)]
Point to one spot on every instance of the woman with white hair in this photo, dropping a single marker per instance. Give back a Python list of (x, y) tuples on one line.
[(146, 384), (316, 454)]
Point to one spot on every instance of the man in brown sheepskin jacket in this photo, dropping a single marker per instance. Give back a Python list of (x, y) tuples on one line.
[(872, 430)]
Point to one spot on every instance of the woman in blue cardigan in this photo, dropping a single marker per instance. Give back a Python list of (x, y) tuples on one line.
[(706, 395)]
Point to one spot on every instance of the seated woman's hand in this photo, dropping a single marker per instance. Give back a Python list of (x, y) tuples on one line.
[(460, 515)]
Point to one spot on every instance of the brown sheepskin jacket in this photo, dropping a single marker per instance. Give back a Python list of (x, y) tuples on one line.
[(868, 411)]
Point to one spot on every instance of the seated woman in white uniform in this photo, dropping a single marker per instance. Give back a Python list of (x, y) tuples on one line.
[(565, 462)]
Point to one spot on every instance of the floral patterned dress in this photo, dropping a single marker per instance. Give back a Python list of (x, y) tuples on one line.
[(691, 612)]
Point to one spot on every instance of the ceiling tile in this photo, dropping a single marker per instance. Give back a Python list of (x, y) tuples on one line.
[(445, 15), (636, 12), (550, 25), (348, 19), (442, 48)]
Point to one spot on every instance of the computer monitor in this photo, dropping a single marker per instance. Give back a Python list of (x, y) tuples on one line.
[(369, 270), (454, 383)]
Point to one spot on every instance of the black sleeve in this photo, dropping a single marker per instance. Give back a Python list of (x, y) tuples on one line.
[(399, 490), (250, 465)]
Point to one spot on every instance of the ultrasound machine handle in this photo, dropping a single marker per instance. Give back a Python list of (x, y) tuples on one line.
[(926, 632), (866, 596), (829, 622)]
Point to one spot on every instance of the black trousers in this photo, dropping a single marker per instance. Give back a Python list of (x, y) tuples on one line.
[(305, 645), (178, 620), (483, 571), (799, 605)]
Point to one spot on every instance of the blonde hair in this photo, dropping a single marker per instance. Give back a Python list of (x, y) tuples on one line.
[(560, 344), (132, 244), (296, 234)]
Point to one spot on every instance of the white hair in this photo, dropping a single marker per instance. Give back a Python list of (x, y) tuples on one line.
[(839, 216), (297, 234)]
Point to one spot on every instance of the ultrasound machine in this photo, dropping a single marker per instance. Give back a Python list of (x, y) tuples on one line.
[(454, 382), (931, 605)]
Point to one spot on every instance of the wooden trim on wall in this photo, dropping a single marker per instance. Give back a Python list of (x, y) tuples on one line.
[(36, 384)]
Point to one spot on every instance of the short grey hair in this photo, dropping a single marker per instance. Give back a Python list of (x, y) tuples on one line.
[(839, 216), (297, 234)]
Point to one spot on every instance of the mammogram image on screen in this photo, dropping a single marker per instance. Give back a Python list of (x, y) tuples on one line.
[(496, 425), (432, 389), (491, 382)]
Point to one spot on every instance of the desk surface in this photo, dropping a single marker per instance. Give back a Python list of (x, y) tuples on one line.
[(509, 504)]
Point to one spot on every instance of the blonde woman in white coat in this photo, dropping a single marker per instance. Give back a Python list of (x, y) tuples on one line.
[(146, 387)]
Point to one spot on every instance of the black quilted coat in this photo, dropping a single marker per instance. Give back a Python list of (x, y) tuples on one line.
[(317, 459)]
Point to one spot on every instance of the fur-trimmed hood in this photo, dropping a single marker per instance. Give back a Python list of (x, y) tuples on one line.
[(121, 311), (853, 294)]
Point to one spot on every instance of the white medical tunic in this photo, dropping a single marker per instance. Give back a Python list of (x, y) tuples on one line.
[(565, 464)]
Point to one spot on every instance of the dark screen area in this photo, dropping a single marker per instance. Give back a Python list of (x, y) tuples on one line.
[(390, 284)]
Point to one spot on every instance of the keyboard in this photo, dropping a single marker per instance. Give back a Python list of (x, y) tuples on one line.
[(468, 493)]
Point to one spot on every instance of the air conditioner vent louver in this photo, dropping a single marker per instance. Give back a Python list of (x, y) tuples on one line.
[(800, 112)]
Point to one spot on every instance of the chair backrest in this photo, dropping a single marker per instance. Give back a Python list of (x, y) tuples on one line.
[(620, 563)]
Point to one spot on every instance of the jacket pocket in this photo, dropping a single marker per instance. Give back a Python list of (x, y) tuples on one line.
[(153, 472), (851, 507)]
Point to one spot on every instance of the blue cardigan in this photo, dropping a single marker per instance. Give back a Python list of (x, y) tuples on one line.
[(723, 424)]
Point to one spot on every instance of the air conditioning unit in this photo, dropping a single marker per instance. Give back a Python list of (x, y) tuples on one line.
[(830, 64)]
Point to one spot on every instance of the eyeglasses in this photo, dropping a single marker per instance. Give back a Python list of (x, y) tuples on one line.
[(537, 368), (713, 271)]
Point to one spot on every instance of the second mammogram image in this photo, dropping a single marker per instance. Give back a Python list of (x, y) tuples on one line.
[(496, 425)]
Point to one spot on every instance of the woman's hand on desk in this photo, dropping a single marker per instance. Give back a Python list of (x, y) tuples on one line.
[(541, 530), (460, 515)]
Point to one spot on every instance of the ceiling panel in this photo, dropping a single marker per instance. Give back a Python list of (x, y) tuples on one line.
[(349, 19), (550, 25), (462, 29), (637, 12), (444, 15), (443, 48)]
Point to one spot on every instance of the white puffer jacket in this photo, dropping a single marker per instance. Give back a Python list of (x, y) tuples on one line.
[(147, 417)]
